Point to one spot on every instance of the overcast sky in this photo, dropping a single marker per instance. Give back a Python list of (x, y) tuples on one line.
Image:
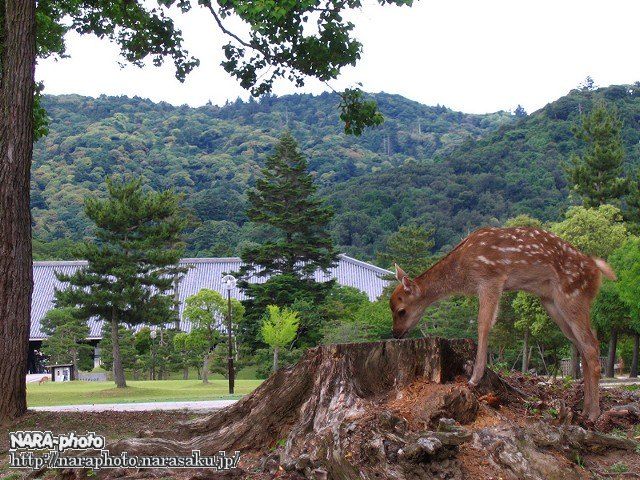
[(470, 55)]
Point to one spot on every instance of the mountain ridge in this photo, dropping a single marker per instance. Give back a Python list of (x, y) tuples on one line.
[(518, 168), (428, 165), (212, 154)]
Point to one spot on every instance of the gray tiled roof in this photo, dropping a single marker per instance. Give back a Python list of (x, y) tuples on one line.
[(204, 273)]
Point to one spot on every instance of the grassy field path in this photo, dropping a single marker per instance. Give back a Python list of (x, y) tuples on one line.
[(80, 393)]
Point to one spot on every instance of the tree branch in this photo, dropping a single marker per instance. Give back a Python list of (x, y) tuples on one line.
[(228, 32)]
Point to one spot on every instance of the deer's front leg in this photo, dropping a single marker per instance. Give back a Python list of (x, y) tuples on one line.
[(489, 296)]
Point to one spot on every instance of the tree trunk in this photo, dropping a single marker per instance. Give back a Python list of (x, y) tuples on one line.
[(185, 373), (18, 57), (118, 371), (634, 360), (575, 362), (205, 367), (525, 351), (74, 361), (275, 359), (611, 360)]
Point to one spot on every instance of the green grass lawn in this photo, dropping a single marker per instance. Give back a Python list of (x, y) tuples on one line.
[(78, 393)]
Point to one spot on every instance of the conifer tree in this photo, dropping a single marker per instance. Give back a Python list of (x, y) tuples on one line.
[(126, 347), (520, 112), (597, 175), (411, 248), (284, 200), (131, 265)]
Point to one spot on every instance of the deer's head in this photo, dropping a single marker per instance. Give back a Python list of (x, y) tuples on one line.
[(406, 304)]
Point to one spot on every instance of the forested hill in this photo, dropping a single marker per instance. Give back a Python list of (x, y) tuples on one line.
[(429, 165), (517, 169), (213, 154)]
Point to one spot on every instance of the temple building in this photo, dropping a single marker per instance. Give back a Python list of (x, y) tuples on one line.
[(202, 273)]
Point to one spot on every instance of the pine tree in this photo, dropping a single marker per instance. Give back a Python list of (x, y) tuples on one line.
[(126, 347), (132, 264), (66, 330), (597, 176), (411, 248), (588, 85), (284, 200)]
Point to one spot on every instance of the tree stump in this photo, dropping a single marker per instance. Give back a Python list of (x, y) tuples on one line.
[(313, 406), (395, 409)]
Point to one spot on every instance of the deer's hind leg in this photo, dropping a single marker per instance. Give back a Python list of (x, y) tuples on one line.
[(555, 313), (489, 296), (573, 319)]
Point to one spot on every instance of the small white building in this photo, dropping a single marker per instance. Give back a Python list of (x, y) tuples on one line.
[(61, 373)]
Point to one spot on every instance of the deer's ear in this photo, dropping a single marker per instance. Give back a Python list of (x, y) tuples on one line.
[(408, 284), (400, 274)]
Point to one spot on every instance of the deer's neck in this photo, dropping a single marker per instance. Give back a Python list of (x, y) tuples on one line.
[(440, 281)]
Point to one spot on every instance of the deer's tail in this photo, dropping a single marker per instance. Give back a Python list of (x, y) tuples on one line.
[(605, 268)]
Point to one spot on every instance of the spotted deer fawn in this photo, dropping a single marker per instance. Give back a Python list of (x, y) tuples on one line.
[(493, 260)]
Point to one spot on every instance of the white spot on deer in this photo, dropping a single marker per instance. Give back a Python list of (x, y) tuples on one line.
[(484, 259), (504, 261), (483, 243), (509, 249)]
